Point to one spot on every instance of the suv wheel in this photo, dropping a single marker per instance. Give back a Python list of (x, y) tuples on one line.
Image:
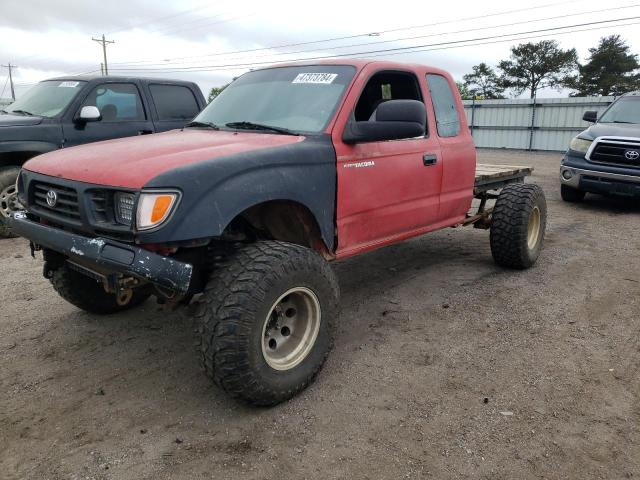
[(264, 321), (572, 195), (8, 198)]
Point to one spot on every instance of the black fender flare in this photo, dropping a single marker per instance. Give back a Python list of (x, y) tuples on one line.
[(216, 191)]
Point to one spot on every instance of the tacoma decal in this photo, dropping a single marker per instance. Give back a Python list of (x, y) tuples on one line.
[(369, 163)]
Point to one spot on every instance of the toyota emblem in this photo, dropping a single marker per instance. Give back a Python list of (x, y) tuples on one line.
[(52, 198), (632, 154)]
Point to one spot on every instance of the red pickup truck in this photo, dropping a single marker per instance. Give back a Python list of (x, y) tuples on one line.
[(289, 168)]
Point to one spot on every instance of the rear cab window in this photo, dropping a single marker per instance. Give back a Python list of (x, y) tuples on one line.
[(444, 105), (174, 102)]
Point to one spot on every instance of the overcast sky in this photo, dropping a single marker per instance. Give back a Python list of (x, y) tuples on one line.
[(209, 41)]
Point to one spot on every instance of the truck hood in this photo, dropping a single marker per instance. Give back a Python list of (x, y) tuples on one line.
[(611, 130), (132, 162), (9, 120)]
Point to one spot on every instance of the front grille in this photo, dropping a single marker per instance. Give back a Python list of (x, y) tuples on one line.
[(617, 152), (66, 200), (100, 205)]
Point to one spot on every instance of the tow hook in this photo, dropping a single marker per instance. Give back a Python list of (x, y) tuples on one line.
[(123, 297)]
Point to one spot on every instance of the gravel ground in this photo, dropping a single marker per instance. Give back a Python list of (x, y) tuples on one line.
[(444, 366)]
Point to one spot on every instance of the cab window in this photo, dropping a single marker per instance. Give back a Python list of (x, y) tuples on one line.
[(444, 105), (117, 102), (174, 102), (385, 86)]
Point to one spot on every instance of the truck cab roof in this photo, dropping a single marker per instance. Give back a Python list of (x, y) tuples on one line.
[(116, 79)]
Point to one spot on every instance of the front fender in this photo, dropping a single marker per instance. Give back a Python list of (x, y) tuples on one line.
[(215, 191), (19, 150)]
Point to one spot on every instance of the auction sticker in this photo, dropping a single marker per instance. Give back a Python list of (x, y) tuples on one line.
[(69, 84), (322, 78)]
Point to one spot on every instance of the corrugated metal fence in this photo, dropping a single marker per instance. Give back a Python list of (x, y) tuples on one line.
[(547, 124)]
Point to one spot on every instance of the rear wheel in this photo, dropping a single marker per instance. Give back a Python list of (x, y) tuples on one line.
[(8, 198), (89, 294), (264, 321), (571, 195), (518, 225)]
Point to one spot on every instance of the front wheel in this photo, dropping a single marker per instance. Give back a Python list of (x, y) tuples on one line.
[(518, 225), (571, 195), (264, 321), (8, 198)]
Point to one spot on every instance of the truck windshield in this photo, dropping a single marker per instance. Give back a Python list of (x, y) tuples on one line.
[(46, 99), (300, 99), (625, 110)]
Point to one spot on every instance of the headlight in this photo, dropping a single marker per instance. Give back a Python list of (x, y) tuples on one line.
[(580, 145), (124, 203), (154, 208)]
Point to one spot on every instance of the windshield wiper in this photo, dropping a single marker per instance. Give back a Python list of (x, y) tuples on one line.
[(203, 124), (23, 112), (260, 126), (621, 121)]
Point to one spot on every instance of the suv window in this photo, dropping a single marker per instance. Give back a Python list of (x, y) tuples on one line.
[(385, 86), (174, 102), (444, 105), (117, 102)]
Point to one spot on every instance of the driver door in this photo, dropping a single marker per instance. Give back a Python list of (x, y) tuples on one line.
[(387, 190), (123, 115)]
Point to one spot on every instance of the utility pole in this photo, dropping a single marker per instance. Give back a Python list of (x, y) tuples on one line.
[(104, 43), (10, 67)]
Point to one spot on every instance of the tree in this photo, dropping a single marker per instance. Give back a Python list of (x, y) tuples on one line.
[(484, 81), (533, 66), (610, 69), (215, 91), (465, 94)]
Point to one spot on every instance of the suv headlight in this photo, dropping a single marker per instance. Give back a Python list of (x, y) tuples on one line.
[(154, 208), (580, 145)]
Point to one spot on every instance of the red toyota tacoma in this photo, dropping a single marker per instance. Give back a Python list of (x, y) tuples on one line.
[(289, 168)]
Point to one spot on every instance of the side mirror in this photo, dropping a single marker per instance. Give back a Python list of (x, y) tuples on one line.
[(590, 116), (89, 114), (395, 120)]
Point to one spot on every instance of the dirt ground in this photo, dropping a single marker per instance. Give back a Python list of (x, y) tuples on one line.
[(444, 366)]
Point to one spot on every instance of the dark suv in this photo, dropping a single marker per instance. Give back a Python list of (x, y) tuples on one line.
[(63, 112), (605, 158)]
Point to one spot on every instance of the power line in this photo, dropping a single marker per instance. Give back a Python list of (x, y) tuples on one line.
[(325, 49), (397, 49), (159, 19), (468, 45), (104, 50), (369, 34)]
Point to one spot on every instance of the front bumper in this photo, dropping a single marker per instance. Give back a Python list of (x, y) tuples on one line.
[(600, 182), (114, 256)]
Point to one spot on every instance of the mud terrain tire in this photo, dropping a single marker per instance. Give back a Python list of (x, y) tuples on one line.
[(518, 225), (242, 321)]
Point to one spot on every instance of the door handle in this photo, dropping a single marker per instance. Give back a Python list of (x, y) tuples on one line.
[(429, 159), (144, 132)]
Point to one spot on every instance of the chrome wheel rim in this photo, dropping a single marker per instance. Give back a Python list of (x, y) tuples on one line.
[(291, 328), (533, 232), (9, 201)]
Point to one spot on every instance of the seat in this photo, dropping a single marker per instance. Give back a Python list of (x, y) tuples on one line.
[(109, 113)]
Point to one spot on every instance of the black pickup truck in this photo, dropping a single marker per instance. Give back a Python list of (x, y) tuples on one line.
[(67, 111), (605, 158)]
